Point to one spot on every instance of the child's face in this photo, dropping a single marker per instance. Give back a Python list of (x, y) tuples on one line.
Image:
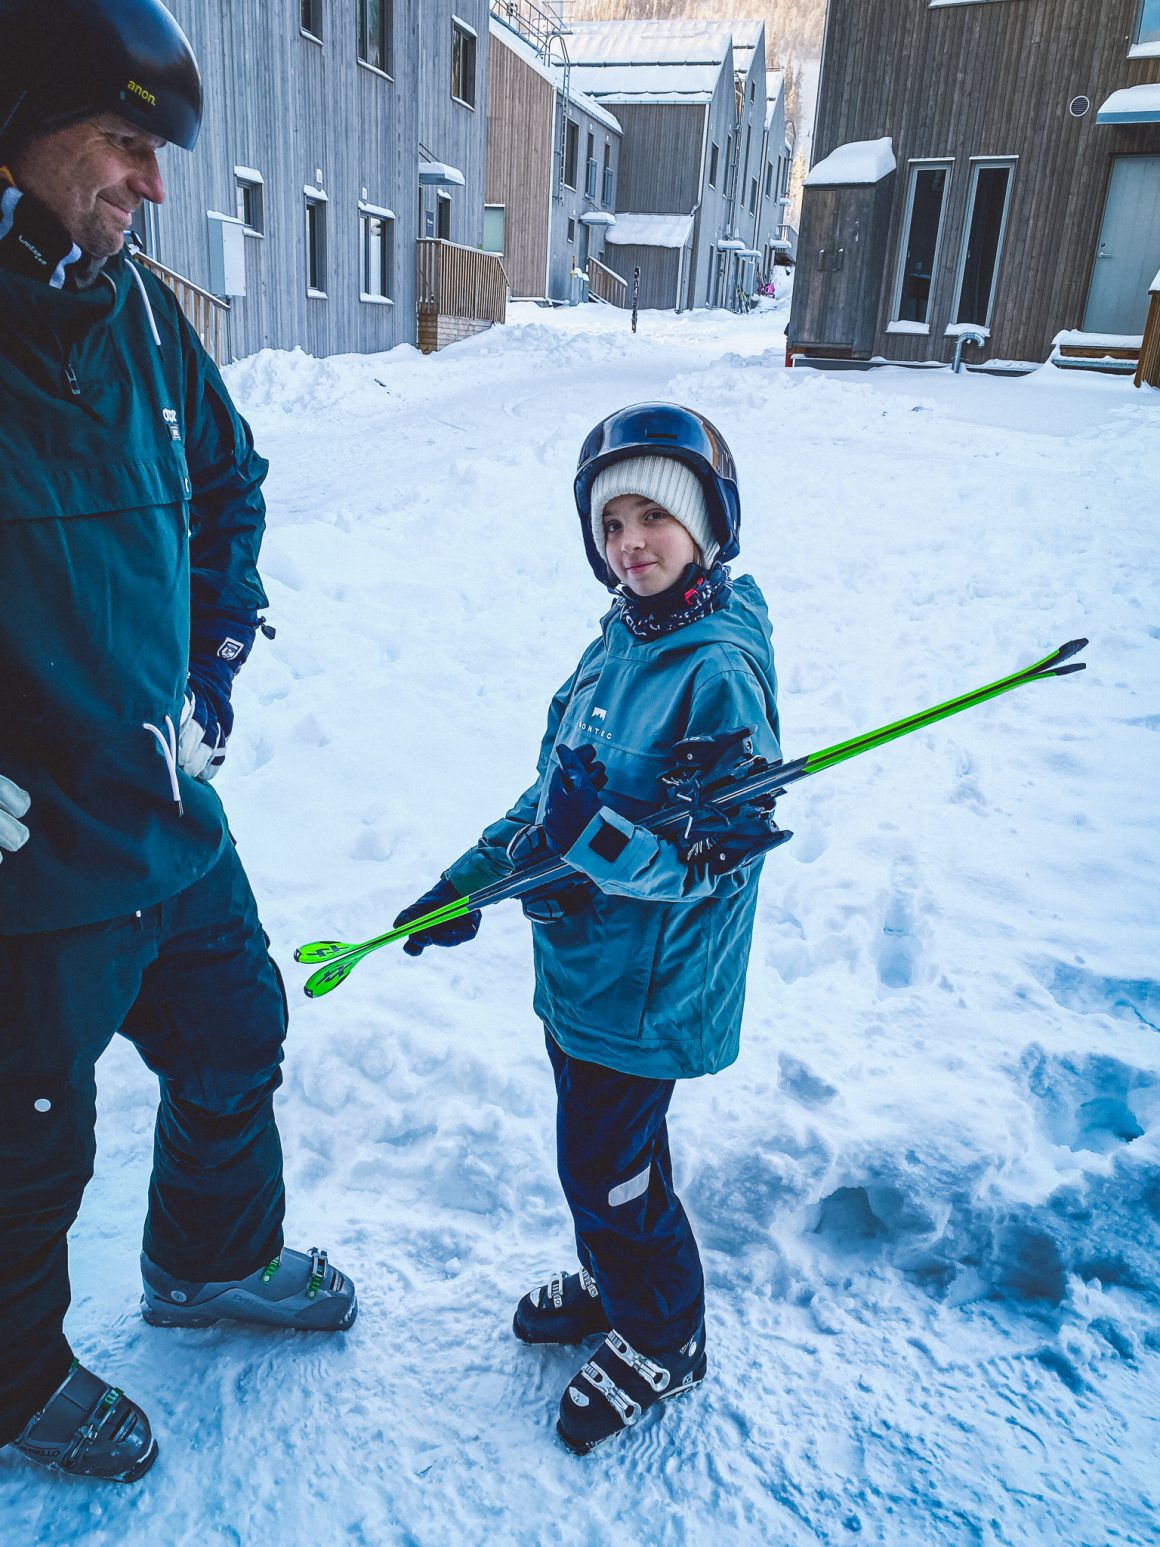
[(647, 548)]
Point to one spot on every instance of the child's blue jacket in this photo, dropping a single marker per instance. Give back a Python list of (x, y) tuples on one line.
[(649, 979)]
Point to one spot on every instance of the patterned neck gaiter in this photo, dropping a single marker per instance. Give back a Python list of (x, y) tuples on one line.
[(693, 596)]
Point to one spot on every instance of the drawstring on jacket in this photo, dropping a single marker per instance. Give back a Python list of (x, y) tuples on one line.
[(168, 744), (136, 273)]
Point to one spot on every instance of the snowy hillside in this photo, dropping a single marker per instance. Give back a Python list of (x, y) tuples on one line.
[(928, 1194)]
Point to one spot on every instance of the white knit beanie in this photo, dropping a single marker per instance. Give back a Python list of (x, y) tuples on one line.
[(672, 484)]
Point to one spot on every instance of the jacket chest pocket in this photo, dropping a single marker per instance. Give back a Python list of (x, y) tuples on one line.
[(90, 484)]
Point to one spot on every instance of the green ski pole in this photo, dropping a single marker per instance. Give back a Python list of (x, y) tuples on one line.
[(336, 959)]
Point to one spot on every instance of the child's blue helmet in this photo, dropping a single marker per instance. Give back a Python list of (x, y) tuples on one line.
[(667, 430)]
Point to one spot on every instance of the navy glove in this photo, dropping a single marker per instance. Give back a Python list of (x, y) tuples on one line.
[(573, 795), (220, 640), (454, 932)]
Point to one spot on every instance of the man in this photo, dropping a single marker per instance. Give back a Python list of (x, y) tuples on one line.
[(130, 521)]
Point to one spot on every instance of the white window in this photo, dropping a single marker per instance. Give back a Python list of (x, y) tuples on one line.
[(493, 217), (462, 62), (1146, 38), (571, 151), (310, 18), (922, 229), (248, 199), (316, 245), (374, 34), (376, 231), (988, 201)]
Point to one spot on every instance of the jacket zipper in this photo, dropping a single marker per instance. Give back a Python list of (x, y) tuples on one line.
[(70, 377)]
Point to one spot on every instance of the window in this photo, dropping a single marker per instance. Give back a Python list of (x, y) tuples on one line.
[(571, 151), (728, 158), (443, 217), (376, 232), (1146, 39), (315, 246), (571, 230), (248, 198), (493, 218), (607, 191), (590, 168), (311, 18), (374, 34), (752, 195), (983, 240), (768, 178), (462, 62), (752, 90), (713, 166), (922, 225)]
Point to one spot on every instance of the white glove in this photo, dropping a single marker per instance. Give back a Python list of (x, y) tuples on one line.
[(14, 802), (196, 756)]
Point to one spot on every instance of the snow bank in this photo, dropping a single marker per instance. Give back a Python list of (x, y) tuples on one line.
[(928, 1194)]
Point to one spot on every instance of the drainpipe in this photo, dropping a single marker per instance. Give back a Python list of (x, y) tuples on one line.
[(970, 337)]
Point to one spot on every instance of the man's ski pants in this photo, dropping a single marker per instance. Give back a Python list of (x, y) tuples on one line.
[(191, 983), (632, 1232)]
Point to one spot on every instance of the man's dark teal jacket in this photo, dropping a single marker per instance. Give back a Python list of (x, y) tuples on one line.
[(129, 493)]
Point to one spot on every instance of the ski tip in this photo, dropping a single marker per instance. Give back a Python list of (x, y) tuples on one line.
[(326, 979), (1073, 647), (1066, 671)]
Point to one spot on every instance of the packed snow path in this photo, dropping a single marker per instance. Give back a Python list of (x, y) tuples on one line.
[(928, 1195)]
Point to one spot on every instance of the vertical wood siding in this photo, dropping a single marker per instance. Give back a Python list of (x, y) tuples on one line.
[(984, 80), (289, 107), (448, 130), (520, 126)]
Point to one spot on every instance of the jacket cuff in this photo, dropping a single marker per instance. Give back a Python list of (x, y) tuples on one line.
[(611, 847)]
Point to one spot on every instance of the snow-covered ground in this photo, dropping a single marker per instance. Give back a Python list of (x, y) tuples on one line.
[(928, 1194)]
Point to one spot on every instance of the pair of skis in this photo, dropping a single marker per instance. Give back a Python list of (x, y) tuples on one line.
[(336, 960)]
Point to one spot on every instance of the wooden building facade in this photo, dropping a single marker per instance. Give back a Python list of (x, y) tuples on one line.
[(671, 87), (1025, 193), (553, 161), (453, 80)]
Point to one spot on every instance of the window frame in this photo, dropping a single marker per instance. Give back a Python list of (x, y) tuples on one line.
[(366, 214), (502, 208), (1137, 49), (571, 152), (315, 9), (316, 248), (386, 39), (982, 164), (916, 165), (247, 180), (714, 157), (463, 34)]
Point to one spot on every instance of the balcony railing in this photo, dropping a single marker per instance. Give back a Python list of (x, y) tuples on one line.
[(605, 284), (462, 284), (207, 315), (531, 21), (1148, 370)]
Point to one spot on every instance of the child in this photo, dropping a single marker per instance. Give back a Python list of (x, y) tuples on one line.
[(641, 982)]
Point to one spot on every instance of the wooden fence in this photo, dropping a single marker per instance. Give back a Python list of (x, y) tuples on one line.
[(1148, 370), (605, 284), (208, 316), (461, 291)]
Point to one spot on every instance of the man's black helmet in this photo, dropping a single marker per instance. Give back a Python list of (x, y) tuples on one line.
[(662, 429), (64, 60)]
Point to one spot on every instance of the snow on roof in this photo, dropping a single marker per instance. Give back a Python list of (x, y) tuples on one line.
[(1132, 105), (673, 41), (651, 231), (861, 161), (648, 82), (1154, 287), (551, 73)]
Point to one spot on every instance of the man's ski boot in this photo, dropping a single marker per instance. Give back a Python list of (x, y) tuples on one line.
[(297, 1289), (566, 1309), (610, 1392), (89, 1429)]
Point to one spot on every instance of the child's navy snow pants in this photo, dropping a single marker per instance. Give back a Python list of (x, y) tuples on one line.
[(632, 1232), (191, 983)]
